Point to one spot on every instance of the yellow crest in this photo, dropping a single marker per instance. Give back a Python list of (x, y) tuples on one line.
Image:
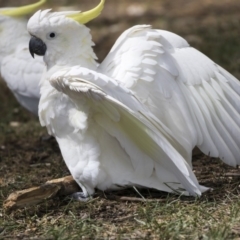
[(85, 17), (22, 11)]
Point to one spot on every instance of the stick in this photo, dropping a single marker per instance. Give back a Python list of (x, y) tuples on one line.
[(56, 187)]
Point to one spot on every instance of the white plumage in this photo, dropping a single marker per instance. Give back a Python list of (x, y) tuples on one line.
[(193, 96), (19, 70), (135, 118)]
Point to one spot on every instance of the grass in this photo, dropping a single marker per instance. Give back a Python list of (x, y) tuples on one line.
[(171, 218), (26, 160)]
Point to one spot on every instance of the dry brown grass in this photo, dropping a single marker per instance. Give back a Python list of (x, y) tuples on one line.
[(25, 160)]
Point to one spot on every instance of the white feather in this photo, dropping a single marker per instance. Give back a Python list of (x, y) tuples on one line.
[(135, 118), (144, 143), (208, 96), (19, 70)]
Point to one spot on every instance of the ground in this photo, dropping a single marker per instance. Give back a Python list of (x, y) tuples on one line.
[(212, 26)]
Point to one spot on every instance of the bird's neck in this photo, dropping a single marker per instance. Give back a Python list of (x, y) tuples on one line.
[(78, 51)]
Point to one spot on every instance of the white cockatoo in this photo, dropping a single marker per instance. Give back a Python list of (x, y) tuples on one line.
[(134, 119), (18, 69)]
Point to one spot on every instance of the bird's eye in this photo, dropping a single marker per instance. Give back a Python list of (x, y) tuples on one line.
[(52, 35)]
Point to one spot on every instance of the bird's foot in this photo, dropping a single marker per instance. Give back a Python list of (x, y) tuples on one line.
[(79, 196)]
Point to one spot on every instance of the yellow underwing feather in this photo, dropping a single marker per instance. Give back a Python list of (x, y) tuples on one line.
[(84, 17), (22, 11)]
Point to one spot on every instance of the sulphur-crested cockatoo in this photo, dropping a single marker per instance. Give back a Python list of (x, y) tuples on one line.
[(19, 70), (135, 118)]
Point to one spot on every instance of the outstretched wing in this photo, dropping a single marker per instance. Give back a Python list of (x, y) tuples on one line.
[(117, 111), (22, 74), (213, 97), (189, 93)]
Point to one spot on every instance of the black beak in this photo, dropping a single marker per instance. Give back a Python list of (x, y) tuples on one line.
[(37, 46)]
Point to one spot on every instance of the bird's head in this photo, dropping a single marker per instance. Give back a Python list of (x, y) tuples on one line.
[(62, 37), (13, 26)]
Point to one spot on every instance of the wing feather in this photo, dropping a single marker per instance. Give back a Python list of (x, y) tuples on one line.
[(190, 94), (22, 75), (218, 104), (132, 128)]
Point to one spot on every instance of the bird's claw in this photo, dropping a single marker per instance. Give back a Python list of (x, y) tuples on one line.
[(79, 196)]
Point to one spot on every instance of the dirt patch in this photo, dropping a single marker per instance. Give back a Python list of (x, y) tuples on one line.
[(27, 160)]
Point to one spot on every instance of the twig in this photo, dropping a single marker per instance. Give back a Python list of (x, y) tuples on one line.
[(232, 174), (135, 199), (56, 187), (120, 219)]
